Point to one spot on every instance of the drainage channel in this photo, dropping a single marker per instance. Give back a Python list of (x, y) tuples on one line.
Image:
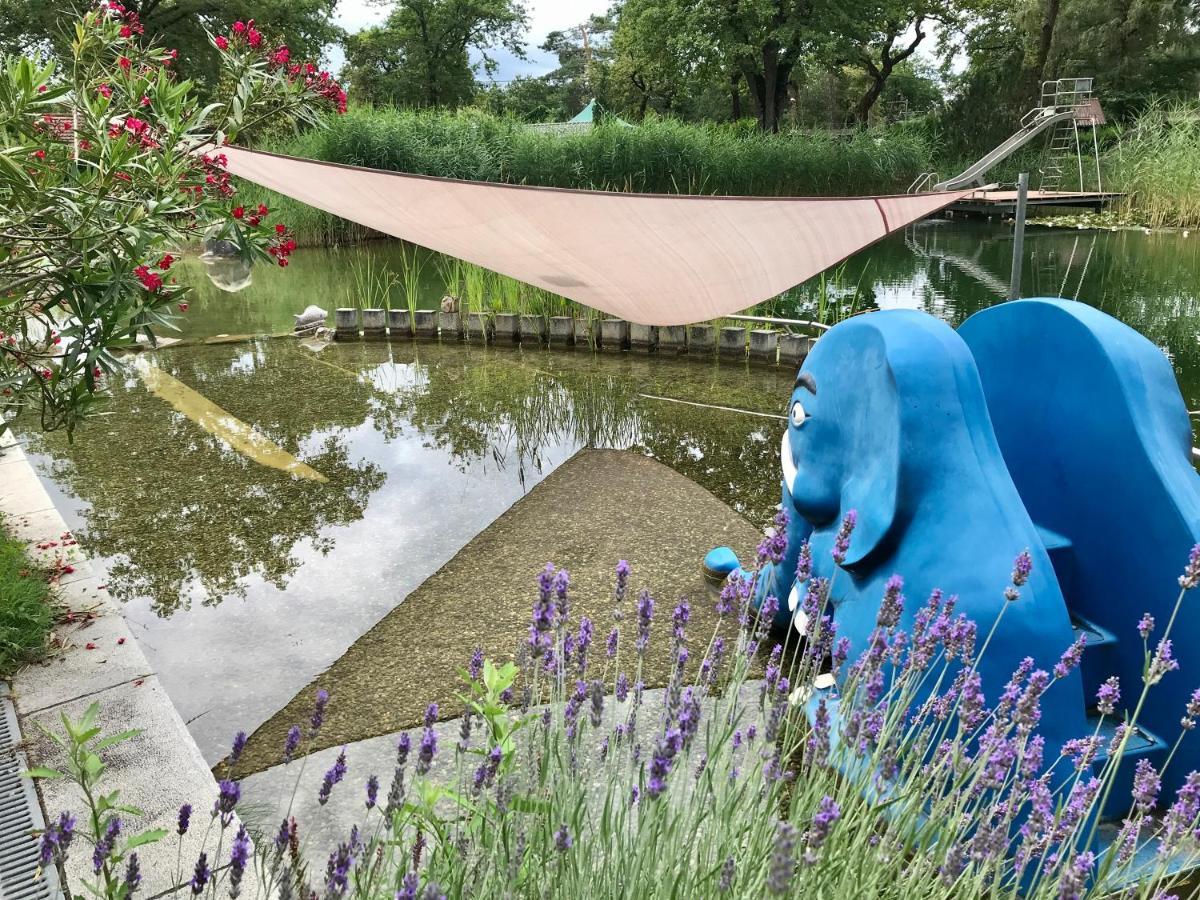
[(21, 876)]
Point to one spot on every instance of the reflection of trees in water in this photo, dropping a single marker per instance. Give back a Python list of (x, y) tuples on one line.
[(480, 408), (182, 517)]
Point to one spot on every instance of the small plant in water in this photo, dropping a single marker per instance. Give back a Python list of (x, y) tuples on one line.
[(570, 778)]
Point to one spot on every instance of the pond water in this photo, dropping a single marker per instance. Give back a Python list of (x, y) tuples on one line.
[(242, 582)]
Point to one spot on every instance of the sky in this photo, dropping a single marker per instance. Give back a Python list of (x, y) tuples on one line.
[(544, 16)]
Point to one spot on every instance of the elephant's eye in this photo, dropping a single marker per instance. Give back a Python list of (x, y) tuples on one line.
[(798, 414)]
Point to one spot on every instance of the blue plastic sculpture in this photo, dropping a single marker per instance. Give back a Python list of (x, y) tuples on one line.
[(888, 418), (1097, 439)]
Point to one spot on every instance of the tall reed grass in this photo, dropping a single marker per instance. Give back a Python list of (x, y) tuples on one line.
[(1155, 163)]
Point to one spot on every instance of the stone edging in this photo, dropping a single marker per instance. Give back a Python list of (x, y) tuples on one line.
[(733, 342), (100, 661)]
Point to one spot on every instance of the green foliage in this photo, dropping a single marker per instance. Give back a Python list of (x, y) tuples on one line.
[(101, 184), (306, 26), (26, 615), (420, 56), (82, 744)]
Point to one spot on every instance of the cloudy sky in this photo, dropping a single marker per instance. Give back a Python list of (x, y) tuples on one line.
[(544, 16)]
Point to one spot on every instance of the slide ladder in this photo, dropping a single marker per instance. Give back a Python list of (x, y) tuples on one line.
[(1061, 104)]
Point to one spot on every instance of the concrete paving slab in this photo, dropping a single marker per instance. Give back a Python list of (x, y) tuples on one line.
[(21, 492), (96, 654), (156, 771), (36, 527), (597, 508)]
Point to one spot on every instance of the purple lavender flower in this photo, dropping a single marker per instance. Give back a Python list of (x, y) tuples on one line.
[(827, 814), (1028, 710), (645, 612), (1082, 751), (1072, 884), (227, 798), (1108, 695), (817, 745), (318, 714), (1180, 818), (403, 746), (433, 891), (105, 843), (729, 594), (290, 743), (1070, 658), (766, 612), (783, 859), (133, 875), (611, 646), (372, 791), (56, 839), (622, 687), (239, 744), (1146, 785), (1022, 567), (893, 603), (562, 839), (282, 836), (562, 581), (426, 751), (431, 714), (971, 701), (341, 861), (408, 887), (663, 761), (841, 543), (1191, 573), (1145, 625), (584, 643), (1163, 662), (804, 563), (464, 732), (728, 870), (200, 875), (475, 666), (622, 581), (185, 818), (239, 855), (332, 777)]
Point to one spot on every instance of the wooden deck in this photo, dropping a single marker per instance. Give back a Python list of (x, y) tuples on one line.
[(995, 202)]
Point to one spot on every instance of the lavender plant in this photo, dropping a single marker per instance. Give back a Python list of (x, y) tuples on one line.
[(750, 774)]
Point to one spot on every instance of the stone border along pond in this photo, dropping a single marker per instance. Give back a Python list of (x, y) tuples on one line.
[(731, 341), (100, 661)]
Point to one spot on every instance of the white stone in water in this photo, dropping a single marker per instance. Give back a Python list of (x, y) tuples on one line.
[(312, 316)]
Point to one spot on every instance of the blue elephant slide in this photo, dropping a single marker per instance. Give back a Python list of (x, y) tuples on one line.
[(1040, 424)]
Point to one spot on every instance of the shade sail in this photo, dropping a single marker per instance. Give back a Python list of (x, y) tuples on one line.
[(651, 258)]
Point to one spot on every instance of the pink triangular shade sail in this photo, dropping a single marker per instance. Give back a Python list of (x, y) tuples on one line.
[(655, 259)]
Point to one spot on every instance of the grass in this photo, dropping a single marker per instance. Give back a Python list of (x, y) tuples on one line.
[(26, 615)]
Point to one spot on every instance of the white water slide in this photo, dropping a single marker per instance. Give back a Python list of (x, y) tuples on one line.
[(1062, 101)]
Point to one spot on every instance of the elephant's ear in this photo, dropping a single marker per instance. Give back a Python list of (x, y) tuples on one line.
[(872, 487)]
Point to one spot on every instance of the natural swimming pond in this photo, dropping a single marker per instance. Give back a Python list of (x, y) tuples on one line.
[(243, 582)]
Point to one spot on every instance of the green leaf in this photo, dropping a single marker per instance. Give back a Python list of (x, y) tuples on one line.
[(146, 837), (42, 772), (114, 739)]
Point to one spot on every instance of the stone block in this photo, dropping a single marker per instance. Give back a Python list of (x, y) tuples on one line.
[(345, 324), (399, 323), (643, 337), (614, 335), (764, 344), (425, 323), (533, 329), (374, 323), (450, 326), (701, 338), (506, 327), (793, 348), (672, 339), (562, 331), (587, 333), (733, 341), (478, 327)]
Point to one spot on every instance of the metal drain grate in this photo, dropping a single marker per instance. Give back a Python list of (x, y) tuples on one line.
[(20, 818)]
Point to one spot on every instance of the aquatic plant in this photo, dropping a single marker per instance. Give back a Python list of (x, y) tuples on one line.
[(1155, 163), (742, 777), (372, 283)]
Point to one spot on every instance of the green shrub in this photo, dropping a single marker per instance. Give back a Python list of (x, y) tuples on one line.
[(25, 612)]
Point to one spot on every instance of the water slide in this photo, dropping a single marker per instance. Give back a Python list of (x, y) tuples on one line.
[(1034, 123)]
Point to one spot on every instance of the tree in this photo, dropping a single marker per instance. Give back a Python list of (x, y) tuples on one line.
[(421, 55), (305, 26), (103, 178)]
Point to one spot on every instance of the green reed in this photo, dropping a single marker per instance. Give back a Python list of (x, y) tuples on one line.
[(1155, 163)]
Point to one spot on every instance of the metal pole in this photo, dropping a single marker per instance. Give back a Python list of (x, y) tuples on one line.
[(1014, 286)]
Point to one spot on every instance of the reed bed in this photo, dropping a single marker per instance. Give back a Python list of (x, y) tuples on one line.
[(1155, 163)]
